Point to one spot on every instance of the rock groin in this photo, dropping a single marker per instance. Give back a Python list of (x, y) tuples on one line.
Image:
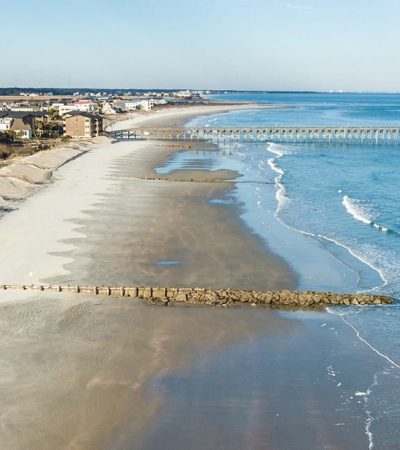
[(217, 297)]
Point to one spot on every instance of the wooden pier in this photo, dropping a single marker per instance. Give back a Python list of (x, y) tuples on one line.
[(294, 135)]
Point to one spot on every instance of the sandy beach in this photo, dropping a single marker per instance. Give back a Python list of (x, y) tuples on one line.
[(90, 373), (176, 117)]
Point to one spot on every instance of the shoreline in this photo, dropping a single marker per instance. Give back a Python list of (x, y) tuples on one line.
[(213, 184), (76, 359), (27, 175), (179, 116)]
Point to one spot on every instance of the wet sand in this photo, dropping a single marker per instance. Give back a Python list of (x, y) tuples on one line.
[(90, 373), (299, 386), (149, 223), (75, 372)]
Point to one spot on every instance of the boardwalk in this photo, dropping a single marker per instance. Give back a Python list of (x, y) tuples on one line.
[(345, 135)]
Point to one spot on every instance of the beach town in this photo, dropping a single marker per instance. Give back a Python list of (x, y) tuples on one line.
[(44, 115)]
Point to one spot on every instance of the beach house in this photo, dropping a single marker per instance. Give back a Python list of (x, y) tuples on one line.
[(23, 124), (5, 122), (107, 108)]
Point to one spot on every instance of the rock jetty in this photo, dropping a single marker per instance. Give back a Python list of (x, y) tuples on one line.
[(217, 297)]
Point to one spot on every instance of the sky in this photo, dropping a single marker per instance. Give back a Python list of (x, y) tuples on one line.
[(202, 44)]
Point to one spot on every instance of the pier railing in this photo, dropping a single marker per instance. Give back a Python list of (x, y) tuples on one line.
[(345, 135)]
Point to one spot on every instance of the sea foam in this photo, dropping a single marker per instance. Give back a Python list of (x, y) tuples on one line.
[(281, 196), (362, 213), (357, 210)]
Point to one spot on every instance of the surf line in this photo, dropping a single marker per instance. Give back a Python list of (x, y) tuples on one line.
[(358, 334), (282, 200), (353, 208)]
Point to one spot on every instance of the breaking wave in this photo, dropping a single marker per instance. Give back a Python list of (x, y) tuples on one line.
[(281, 196), (362, 213)]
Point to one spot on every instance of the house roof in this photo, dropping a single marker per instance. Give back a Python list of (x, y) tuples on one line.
[(22, 114), (82, 113), (20, 124)]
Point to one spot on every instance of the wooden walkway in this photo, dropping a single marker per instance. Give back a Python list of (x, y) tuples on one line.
[(344, 135)]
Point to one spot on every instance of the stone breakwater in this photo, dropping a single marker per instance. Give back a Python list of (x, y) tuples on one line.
[(217, 297)]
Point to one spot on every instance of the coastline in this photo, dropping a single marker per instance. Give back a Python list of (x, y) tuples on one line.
[(259, 261), (24, 175), (178, 117), (75, 359)]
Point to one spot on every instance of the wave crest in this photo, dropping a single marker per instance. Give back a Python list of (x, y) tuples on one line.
[(361, 213), (281, 196)]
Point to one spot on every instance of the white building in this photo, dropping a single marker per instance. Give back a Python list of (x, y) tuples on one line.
[(146, 105), (131, 106), (158, 101), (80, 105), (5, 123), (108, 109), (183, 94)]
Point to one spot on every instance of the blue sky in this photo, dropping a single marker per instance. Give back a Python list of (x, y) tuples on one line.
[(204, 44)]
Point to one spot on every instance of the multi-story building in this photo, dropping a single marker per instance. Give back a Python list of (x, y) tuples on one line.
[(83, 125)]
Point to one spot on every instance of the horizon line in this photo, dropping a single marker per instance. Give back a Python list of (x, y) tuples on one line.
[(161, 89)]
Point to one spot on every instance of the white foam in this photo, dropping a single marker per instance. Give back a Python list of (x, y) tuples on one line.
[(274, 167), (362, 213), (365, 395), (281, 196), (275, 148), (360, 394), (358, 334), (356, 209), (357, 256)]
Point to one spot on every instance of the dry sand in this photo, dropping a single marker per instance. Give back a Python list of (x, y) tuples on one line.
[(25, 175)]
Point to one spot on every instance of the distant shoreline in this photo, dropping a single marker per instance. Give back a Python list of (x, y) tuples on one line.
[(177, 116)]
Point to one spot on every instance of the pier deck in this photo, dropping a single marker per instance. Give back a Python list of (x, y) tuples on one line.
[(345, 135)]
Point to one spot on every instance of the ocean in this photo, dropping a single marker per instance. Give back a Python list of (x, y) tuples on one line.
[(331, 211), (344, 197)]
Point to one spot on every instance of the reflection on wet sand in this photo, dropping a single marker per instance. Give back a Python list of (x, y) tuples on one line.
[(76, 373)]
